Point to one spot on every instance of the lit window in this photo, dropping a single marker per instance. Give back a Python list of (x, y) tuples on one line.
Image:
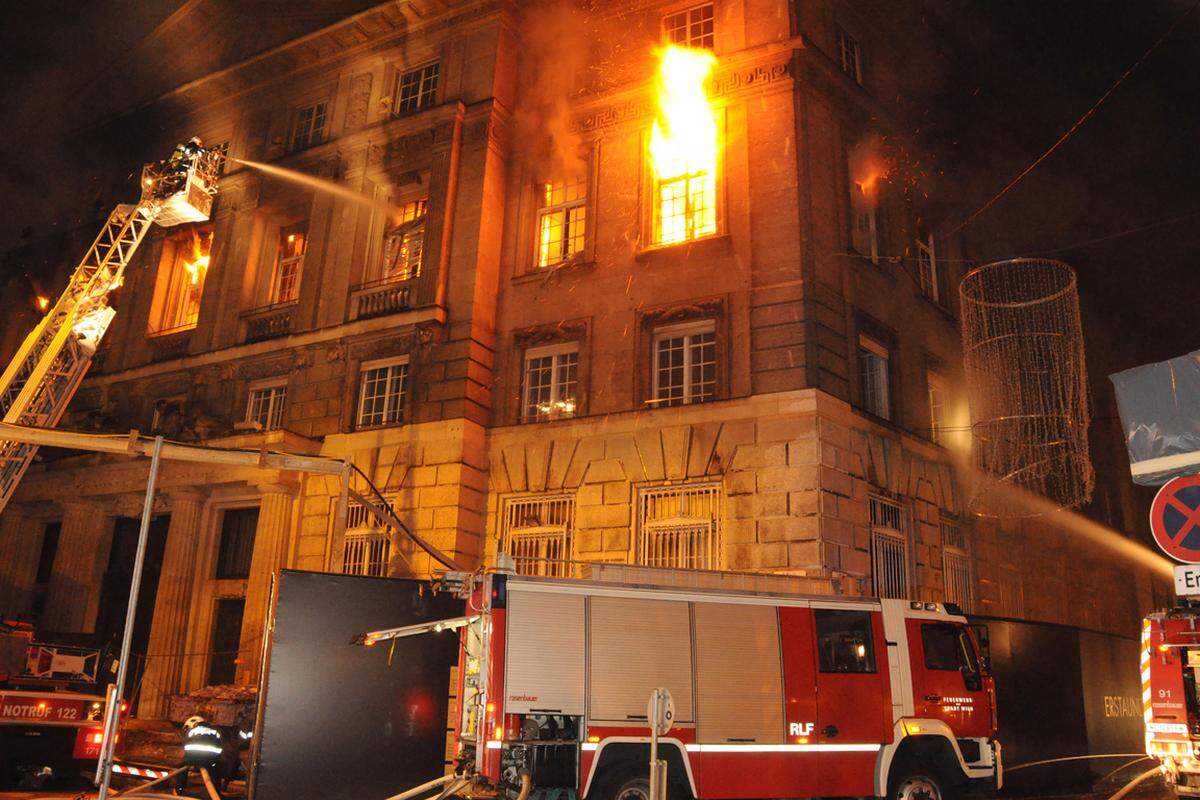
[(690, 28), (310, 126), (551, 380), (864, 219), (182, 270), (404, 245), (381, 393), (367, 548), (289, 263), (685, 364), (889, 548), (937, 405), (265, 405), (874, 375), (562, 221), (927, 268), (680, 526), (849, 55), (686, 207), (536, 532), (844, 640), (416, 89)]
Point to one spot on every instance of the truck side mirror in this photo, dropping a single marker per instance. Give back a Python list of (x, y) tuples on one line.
[(972, 679)]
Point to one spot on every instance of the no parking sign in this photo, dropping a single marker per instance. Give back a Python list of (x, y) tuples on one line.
[(1175, 519)]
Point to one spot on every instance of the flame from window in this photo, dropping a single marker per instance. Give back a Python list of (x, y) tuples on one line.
[(684, 138), (197, 266)]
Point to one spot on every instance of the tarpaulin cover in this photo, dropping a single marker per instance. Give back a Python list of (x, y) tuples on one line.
[(1160, 414)]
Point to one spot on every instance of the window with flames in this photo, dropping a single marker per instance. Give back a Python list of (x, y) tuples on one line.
[(562, 221), (404, 244), (180, 285), (289, 262)]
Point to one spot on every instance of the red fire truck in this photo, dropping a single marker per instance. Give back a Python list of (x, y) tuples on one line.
[(51, 718), (775, 694), (1170, 660)]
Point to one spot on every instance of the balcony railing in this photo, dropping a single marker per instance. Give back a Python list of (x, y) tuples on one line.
[(269, 322), (167, 345), (379, 298)]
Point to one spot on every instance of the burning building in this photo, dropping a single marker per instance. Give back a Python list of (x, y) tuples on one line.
[(638, 292)]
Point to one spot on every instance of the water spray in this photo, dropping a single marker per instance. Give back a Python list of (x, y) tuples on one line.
[(322, 185)]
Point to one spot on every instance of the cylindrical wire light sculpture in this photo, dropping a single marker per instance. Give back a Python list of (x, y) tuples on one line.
[(1027, 379)]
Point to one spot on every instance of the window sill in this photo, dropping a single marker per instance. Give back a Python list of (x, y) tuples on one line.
[(716, 244), (383, 426), (538, 274)]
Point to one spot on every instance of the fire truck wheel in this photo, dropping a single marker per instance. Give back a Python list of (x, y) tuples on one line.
[(631, 789), (918, 782)]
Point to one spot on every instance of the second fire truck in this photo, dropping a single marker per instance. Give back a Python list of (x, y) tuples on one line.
[(1171, 706), (775, 694)]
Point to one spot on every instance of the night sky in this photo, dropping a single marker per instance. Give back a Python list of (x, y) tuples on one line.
[(1011, 76)]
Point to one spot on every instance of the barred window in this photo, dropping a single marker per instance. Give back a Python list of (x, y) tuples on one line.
[(889, 548), (289, 262), (551, 382), (416, 89), (685, 364), (874, 376), (404, 245), (956, 566), (265, 406), (536, 532), (367, 548), (849, 55), (1012, 594), (309, 127), (690, 28), (937, 405), (680, 526), (562, 220), (383, 386)]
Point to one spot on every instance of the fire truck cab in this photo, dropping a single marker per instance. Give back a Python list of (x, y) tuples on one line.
[(775, 695), (1171, 705)]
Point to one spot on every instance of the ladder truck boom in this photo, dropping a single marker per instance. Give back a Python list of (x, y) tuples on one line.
[(39, 382)]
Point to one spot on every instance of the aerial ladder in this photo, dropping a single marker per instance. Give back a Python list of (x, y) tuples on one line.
[(43, 376)]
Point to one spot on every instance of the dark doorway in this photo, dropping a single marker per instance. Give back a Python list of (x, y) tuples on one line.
[(114, 592), (226, 636)]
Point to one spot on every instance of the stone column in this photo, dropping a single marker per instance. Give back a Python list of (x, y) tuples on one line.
[(173, 605), (20, 549), (83, 550), (271, 544)]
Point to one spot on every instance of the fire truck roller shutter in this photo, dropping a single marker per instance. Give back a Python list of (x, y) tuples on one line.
[(739, 679), (544, 652), (634, 646)]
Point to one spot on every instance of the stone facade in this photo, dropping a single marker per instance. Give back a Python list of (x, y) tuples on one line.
[(785, 457)]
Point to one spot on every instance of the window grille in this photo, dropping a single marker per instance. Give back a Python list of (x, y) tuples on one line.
[(874, 367), (266, 405), (551, 381), (937, 406), (536, 532), (927, 269), (849, 55), (562, 221), (310, 126), (680, 526), (383, 386), (956, 567), (367, 549), (404, 245), (289, 263), (690, 28), (889, 549), (416, 88), (685, 364)]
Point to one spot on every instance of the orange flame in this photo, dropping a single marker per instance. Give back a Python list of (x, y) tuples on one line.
[(43, 302), (198, 265), (683, 146)]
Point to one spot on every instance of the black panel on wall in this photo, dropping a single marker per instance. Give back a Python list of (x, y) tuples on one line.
[(339, 720)]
